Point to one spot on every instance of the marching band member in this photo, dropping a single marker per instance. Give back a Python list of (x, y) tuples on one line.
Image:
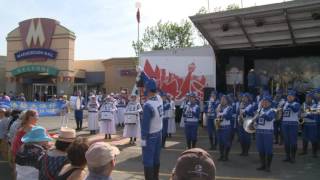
[(172, 117), (264, 133), (107, 117), (79, 105), (246, 110), (290, 126), (93, 107), (132, 119), (224, 117), (166, 110), (191, 114), (234, 104), (278, 103), (64, 114), (210, 110), (309, 131), (151, 129), (121, 108)]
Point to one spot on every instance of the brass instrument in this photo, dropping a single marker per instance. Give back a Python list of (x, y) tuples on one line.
[(249, 124), (279, 112), (241, 117), (217, 122)]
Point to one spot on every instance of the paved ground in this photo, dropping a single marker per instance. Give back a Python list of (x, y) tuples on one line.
[(129, 165)]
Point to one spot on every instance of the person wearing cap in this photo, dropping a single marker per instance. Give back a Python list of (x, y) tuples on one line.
[(309, 131), (151, 129), (290, 125), (132, 119), (172, 117), (64, 113), (278, 103), (79, 105), (210, 110), (107, 114), (224, 115), (53, 161), (194, 163), (93, 108), (35, 144), (264, 133), (101, 160), (121, 108), (191, 114), (246, 110), (166, 110)]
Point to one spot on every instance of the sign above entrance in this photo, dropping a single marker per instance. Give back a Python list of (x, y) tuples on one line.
[(35, 69), (36, 35)]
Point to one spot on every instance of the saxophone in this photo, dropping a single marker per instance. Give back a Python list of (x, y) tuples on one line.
[(219, 119)]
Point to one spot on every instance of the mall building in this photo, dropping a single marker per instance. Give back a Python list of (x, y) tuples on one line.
[(40, 59)]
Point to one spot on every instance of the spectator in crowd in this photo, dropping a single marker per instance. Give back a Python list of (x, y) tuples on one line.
[(21, 97), (194, 164), (53, 161), (15, 126), (75, 170), (35, 145), (3, 123), (252, 81), (101, 161), (29, 120)]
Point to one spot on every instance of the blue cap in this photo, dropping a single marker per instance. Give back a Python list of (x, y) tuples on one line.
[(150, 85), (267, 98), (37, 134), (291, 93), (192, 94)]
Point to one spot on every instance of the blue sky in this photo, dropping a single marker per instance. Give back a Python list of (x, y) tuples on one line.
[(104, 28)]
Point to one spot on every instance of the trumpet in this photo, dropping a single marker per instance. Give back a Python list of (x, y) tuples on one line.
[(217, 122)]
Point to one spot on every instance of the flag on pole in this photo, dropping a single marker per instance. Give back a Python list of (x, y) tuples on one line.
[(138, 15)]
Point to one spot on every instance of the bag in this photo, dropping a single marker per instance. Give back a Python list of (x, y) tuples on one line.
[(29, 155)]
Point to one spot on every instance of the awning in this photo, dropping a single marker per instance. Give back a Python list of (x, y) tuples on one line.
[(290, 23)]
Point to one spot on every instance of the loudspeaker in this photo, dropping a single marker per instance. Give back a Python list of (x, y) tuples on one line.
[(207, 92)]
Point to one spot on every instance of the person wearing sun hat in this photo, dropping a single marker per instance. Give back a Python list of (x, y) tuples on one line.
[(36, 142), (290, 126), (101, 160), (194, 163), (56, 158)]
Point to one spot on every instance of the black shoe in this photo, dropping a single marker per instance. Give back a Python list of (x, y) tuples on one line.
[(193, 144), (109, 136), (148, 173), (314, 150), (156, 172), (268, 164), (262, 162)]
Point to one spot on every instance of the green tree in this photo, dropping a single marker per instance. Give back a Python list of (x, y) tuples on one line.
[(166, 35), (232, 7)]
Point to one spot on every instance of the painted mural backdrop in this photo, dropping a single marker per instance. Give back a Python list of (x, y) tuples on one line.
[(177, 86)]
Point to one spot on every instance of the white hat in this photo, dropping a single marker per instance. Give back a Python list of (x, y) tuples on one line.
[(67, 134), (100, 154)]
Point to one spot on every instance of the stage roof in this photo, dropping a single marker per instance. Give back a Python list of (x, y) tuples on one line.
[(284, 24)]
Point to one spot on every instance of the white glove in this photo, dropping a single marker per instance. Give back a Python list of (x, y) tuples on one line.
[(139, 69), (143, 143)]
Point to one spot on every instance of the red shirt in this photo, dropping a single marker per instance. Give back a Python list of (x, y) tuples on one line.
[(16, 144)]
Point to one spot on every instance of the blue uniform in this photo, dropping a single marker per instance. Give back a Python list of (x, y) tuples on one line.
[(290, 125), (224, 132), (78, 111), (151, 131), (210, 110), (247, 110), (191, 114)]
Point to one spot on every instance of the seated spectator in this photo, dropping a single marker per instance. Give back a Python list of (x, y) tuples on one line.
[(75, 170), (56, 158), (36, 143), (101, 160), (15, 126), (3, 122), (194, 164)]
